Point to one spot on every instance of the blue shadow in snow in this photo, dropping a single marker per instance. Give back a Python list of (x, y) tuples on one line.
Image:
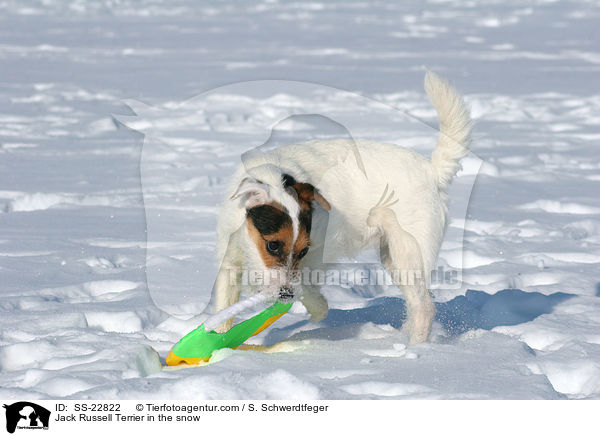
[(474, 310)]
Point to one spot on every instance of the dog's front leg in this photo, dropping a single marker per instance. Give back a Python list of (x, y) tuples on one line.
[(315, 303), (311, 297), (227, 287), (227, 291)]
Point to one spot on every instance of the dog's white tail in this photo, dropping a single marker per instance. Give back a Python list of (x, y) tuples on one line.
[(455, 127)]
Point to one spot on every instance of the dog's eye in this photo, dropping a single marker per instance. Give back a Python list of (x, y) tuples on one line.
[(274, 247), (302, 252)]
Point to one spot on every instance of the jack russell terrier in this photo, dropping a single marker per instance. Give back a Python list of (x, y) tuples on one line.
[(284, 207)]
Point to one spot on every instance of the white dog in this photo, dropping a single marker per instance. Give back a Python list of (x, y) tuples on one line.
[(285, 207)]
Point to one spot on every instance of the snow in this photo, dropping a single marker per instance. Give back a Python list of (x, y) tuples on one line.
[(107, 238)]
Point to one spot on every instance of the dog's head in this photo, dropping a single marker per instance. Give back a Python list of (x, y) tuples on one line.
[(278, 224)]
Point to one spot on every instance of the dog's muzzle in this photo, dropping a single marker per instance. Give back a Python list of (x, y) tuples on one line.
[(286, 294)]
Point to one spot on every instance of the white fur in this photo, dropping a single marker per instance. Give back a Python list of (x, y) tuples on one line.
[(400, 203)]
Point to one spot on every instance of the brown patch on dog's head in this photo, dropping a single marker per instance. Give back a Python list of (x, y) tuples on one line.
[(301, 246), (271, 230), (306, 194)]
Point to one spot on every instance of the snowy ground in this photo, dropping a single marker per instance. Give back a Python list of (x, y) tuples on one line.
[(77, 317)]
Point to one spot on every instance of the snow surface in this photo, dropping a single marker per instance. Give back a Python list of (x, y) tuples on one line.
[(90, 304)]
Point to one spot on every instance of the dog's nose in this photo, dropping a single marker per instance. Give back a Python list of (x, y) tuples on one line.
[(286, 293)]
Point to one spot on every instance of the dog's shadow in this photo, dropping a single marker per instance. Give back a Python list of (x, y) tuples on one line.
[(474, 310)]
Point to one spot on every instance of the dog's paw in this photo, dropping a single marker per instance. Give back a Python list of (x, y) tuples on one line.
[(316, 305), (225, 326), (318, 315)]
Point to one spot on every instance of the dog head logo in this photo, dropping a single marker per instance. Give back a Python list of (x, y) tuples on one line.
[(26, 415)]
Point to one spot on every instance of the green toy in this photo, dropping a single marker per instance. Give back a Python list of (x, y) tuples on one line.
[(199, 344)]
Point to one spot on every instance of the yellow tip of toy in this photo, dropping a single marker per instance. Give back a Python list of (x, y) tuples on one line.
[(174, 360)]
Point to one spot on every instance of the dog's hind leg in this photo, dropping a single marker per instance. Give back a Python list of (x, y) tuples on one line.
[(401, 256)]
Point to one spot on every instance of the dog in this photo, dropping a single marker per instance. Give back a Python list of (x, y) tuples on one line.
[(287, 209)]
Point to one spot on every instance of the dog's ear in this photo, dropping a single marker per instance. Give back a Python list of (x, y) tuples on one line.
[(253, 192), (321, 200), (307, 193)]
